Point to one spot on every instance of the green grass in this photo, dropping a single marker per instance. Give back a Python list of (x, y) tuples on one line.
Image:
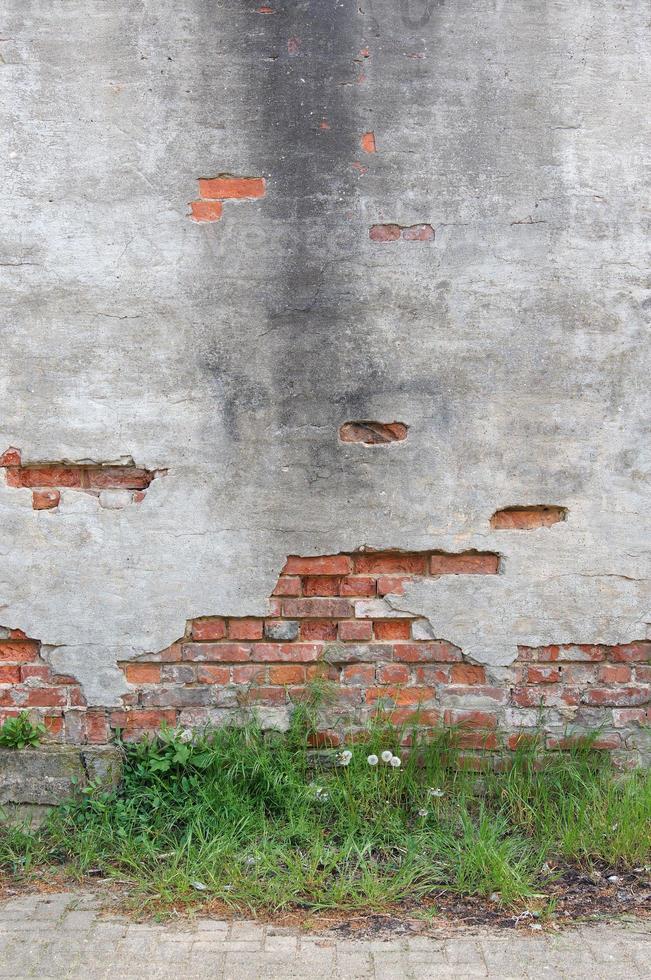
[(263, 822)]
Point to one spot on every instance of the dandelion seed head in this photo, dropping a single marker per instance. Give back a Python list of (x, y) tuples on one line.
[(372, 760), (435, 792), (422, 813), (395, 761), (386, 756)]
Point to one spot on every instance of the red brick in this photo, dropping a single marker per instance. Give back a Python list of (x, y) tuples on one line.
[(543, 675), (381, 563), (467, 674), (248, 674), (267, 695), (118, 477), (142, 673), (288, 585), (404, 715), (616, 697), (521, 740), (50, 475), (418, 233), (287, 674), (45, 499), (96, 726), (611, 674), (18, 651), (367, 142), (392, 583), (11, 457), (538, 654), (623, 717), (434, 651), (9, 675), (318, 565), (43, 673), (220, 652), (209, 628), (324, 740), (486, 741), (227, 187), (470, 719), (54, 724), (632, 653), (392, 674), (318, 629), (355, 629), (392, 629), (321, 585), (213, 674), (358, 674), (432, 674), (245, 629), (467, 563), (384, 233), (643, 674), (401, 695), (527, 518), (45, 697), (206, 210), (608, 742), (286, 652), (318, 608), (147, 719), (360, 587), (532, 697)]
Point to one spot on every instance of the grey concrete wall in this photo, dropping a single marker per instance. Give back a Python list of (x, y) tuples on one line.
[(515, 345)]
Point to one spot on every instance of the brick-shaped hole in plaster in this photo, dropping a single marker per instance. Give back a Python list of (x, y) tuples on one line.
[(527, 518), (370, 433)]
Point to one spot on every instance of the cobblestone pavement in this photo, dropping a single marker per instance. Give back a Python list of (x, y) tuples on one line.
[(56, 936)]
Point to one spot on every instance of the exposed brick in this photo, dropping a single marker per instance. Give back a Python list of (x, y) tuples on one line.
[(434, 651), (643, 674), (245, 629), (141, 720), (372, 433), (318, 629), (616, 697), (213, 674), (96, 726), (401, 695), (209, 628), (367, 142), (363, 674), (527, 518), (9, 674), (227, 187), (486, 741), (358, 586), (318, 608), (221, 652), (49, 475), (288, 585), (466, 563), (393, 674), (384, 233), (467, 674), (45, 499), (18, 651), (206, 210), (408, 714), (392, 583), (355, 629), (470, 719), (543, 675), (623, 717), (432, 674), (392, 629), (632, 653), (319, 565), (615, 673), (286, 652), (281, 629), (287, 674), (372, 563), (248, 674), (143, 673), (45, 697), (418, 233), (321, 585), (120, 477)]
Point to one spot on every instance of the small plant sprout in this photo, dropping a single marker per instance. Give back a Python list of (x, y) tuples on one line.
[(386, 756), (372, 760), (435, 792), (343, 759), (395, 761)]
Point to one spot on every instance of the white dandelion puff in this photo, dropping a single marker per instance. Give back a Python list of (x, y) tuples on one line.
[(386, 756), (395, 761), (372, 760), (435, 792), (422, 813)]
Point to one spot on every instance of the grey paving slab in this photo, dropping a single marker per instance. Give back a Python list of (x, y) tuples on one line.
[(65, 937)]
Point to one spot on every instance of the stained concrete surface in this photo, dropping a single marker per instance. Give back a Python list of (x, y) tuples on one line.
[(514, 346)]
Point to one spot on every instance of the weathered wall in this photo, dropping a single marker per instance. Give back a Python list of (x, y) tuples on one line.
[(446, 228)]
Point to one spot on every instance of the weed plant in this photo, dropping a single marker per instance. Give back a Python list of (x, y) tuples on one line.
[(263, 821)]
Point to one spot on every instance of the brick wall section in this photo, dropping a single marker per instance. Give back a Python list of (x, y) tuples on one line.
[(214, 191), (328, 619), (47, 480)]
